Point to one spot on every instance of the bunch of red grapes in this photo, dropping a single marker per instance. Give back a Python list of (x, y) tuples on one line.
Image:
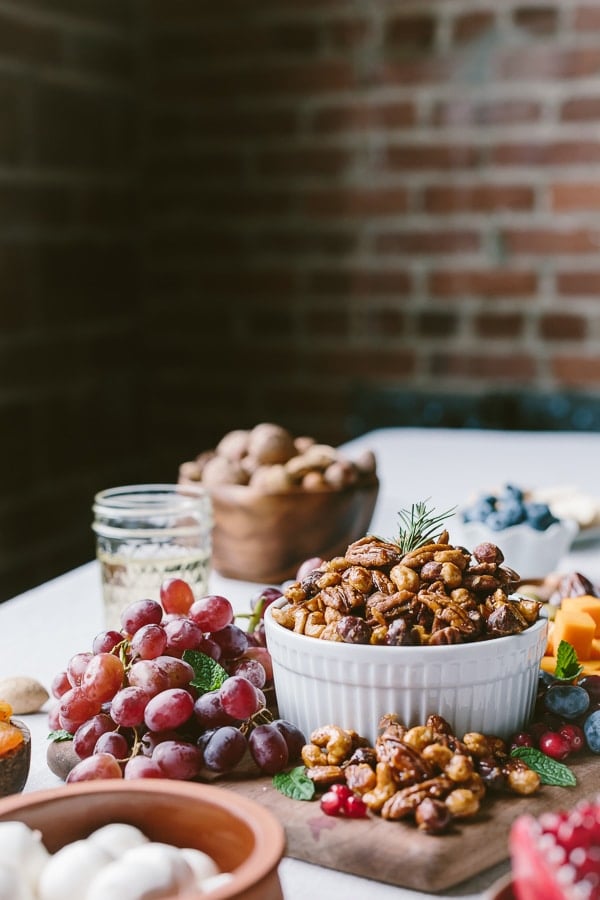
[(137, 707)]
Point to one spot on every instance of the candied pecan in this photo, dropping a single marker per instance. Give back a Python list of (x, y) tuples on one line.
[(448, 635), (360, 777), (384, 608), (417, 558), (364, 756), (452, 615), (325, 776), (372, 552), (383, 583), (406, 763), (458, 556), (342, 597), (405, 801), (353, 630)]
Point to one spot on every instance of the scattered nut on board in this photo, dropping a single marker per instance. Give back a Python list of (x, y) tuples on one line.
[(25, 695)]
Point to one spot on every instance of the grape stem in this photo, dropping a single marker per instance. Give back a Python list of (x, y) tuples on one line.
[(262, 717), (254, 617)]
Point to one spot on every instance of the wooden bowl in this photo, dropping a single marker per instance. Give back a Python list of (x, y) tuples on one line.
[(242, 837), (264, 537)]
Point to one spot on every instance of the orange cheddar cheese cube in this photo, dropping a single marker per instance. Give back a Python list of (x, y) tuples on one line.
[(584, 603), (575, 627)]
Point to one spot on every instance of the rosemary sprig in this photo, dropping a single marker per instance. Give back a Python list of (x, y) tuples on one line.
[(418, 525)]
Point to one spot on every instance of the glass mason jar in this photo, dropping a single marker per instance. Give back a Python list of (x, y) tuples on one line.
[(149, 532)]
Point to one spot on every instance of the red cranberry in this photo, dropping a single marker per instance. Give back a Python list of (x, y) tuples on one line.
[(574, 735), (555, 745), (522, 739)]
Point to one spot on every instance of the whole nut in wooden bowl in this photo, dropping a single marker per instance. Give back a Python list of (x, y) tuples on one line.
[(242, 837), (279, 500)]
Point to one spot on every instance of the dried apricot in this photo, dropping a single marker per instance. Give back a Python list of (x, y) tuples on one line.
[(6, 711), (10, 738)]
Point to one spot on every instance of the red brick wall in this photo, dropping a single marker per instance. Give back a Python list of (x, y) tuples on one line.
[(217, 214), (346, 192), (67, 276)]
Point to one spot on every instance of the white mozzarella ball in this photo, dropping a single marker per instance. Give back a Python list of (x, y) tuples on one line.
[(117, 838), (169, 858), (69, 871), (13, 884), (216, 881), (148, 876), (203, 865), (22, 847)]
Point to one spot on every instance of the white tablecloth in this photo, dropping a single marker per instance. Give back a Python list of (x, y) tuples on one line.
[(42, 628)]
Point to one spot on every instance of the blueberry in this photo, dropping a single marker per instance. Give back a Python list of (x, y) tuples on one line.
[(539, 516), (567, 700), (497, 520), (591, 729), (479, 511), (513, 493), (545, 679), (513, 512)]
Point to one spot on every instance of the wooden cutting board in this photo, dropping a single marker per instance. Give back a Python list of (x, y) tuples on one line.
[(396, 852)]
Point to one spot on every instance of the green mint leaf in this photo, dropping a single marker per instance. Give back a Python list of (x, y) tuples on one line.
[(549, 770), (294, 784), (208, 674), (60, 735), (567, 665)]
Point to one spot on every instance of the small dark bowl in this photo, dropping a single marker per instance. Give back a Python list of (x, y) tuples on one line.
[(14, 766)]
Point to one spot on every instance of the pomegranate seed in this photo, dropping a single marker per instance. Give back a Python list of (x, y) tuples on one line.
[(341, 790), (332, 804), (355, 808)]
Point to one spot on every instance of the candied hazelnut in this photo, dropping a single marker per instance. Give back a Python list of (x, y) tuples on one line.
[(353, 630), (432, 816)]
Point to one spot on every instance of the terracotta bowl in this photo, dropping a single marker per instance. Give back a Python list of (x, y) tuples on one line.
[(242, 837), (264, 537)]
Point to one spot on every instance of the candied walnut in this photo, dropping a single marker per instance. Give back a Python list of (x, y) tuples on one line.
[(353, 630), (300, 616), (372, 553), (405, 578), (314, 624), (324, 776), (284, 616), (329, 633), (432, 816), (360, 777), (462, 803), (334, 741)]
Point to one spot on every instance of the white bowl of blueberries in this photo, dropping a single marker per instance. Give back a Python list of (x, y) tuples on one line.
[(531, 537)]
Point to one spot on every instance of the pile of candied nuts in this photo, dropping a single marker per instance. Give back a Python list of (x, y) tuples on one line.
[(425, 773), (435, 594)]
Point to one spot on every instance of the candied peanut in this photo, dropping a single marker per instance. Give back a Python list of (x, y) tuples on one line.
[(459, 767), (385, 787), (437, 755), (462, 803), (418, 737)]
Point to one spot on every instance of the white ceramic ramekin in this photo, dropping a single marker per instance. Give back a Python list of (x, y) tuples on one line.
[(488, 686)]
